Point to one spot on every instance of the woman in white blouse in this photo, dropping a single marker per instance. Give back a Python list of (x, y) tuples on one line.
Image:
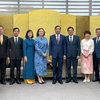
[(87, 48)]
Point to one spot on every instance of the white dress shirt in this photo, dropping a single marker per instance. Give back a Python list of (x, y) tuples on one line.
[(57, 35), (97, 39), (87, 45), (15, 39), (71, 37), (1, 38)]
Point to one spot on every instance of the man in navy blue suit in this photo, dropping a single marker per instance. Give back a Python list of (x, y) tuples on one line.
[(96, 55), (72, 55), (57, 53)]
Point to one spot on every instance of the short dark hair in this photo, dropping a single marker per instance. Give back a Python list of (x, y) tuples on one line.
[(97, 29), (16, 28), (1, 26), (87, 32), (57, 26), (70, 28), (39, 30), (26, 36)]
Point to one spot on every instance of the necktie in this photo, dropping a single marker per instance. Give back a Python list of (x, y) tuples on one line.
[(15, 40), (0, 40), (71, 39), (97, 39), (57, 39)]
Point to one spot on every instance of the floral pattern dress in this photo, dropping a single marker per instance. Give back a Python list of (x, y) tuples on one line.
[(41, 47)]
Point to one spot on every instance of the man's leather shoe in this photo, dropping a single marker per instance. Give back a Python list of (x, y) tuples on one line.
[(68, 80), (75, 81), (11, 82), (18, 81), (60, 81), (54, 81), (97, 80), (3, 82)]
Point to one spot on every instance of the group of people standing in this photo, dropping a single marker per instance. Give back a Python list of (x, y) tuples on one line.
[(34, 54)]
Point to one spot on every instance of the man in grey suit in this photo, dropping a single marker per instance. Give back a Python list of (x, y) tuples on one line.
[(14, 55), (72, 55)]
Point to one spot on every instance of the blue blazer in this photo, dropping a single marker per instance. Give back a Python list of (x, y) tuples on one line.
[(57, 49), (73, 49), (96, 48)]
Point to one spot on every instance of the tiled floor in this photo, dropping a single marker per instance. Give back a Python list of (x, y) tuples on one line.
[(48, 91)]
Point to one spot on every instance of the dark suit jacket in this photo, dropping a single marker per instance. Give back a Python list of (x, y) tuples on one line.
[(57, 49), (15, 50), (3, 47), (96, 48), (73, 49)]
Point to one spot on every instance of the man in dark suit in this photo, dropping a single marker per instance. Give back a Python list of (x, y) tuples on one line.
[(3, 54), (14, 55), (96, 55), (73, 53), (57, 54)]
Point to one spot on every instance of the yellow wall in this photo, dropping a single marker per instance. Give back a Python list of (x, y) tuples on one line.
[(46, 19), (94, 23), (66, 21), (7, 23), (82, 24), (21, 21)]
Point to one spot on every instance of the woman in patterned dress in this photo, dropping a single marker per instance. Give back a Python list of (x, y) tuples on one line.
[(41, 51), (87, 48)]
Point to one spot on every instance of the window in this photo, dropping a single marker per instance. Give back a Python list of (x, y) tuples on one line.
[(75, 7), (95, 7), (78, 7)]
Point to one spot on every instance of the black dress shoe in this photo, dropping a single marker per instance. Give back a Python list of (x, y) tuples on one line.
[(75, 81), (54, 82), (18, 81), (3, 82), (44, 82), (60, 81), (11, 82), (68, 80), (97, 80)]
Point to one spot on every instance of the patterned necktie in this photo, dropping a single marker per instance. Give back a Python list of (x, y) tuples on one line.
[(57, 39), (71, 39)]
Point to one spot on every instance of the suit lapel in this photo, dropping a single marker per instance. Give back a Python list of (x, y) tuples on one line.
[(55, 38), (60, 39)]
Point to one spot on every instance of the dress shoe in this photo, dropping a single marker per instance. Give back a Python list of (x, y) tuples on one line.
[(99, 81), (68, 80), (88, 80), (44, 82), (96, 80), (18, 81), (84, 80), (75, 81), (54, 82), (60, 81), (3, 82), (11, 82)]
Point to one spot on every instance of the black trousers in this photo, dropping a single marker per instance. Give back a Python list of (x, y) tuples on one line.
[(57, 70), (74, 62), (96, 63), (15, 63), (2, 68)]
